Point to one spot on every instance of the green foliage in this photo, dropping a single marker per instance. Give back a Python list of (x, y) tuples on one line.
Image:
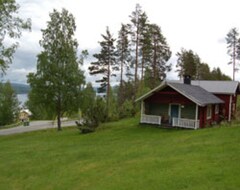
[(157, 55), (189, 63), (217, 74), (9, 109), (57, 84), (123, 50), (96, 113), (10, 27), (122, 155), (126, 92), (105, 64), (138, 23), (150, 47), (113, 110), (127, 109), (126, 98), (88, 97), (38, 109)]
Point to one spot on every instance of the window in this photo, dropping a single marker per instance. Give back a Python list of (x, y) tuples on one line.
[(217, 109), (209, 111)]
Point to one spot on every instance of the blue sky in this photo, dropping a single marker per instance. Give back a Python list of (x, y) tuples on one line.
[(200, 25)]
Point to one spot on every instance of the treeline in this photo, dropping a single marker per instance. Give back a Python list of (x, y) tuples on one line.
[(189, 63), (139, 54)]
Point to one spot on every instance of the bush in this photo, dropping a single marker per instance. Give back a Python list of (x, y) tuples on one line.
[(96, 113), (127, 109)]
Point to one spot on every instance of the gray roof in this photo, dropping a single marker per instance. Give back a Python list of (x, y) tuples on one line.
[(216, 87), (196, 94)]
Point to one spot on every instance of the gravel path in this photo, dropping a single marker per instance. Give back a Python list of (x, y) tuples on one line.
[(35, 126)]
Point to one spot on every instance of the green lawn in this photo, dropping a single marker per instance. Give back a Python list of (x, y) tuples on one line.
[(121, 156)]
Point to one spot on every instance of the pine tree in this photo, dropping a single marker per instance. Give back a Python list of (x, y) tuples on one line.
[(138, 22), (233, 48), (123, 58), (105, 63), (160, 55), (144, 44), (187, 63), (123, 50)]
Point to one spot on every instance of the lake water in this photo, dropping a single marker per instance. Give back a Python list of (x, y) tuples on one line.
[(22, 98)]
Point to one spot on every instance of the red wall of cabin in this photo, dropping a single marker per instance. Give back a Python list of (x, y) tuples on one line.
[(224, 108), (168, 96), (204, 121)]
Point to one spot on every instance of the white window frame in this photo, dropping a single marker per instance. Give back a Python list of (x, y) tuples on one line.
[(209, 111), (217, 109)]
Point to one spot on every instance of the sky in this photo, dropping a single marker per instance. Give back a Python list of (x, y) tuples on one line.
[(199, 25)]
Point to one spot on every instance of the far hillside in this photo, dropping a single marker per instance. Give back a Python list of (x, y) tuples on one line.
[(20, 88)]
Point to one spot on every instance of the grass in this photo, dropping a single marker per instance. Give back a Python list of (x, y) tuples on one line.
[(122, 155)]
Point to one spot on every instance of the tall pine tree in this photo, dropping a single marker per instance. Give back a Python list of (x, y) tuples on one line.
[(123, 51), (138, 23), (232, 45), (160, 55), (105, 64)]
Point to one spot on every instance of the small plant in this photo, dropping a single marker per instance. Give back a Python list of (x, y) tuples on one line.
[(93, 116)]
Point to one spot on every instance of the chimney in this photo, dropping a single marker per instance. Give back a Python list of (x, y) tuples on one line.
[(187, 79)]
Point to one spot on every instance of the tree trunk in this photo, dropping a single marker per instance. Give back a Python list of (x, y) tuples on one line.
[(234, 56), (59, 128), (142, 67), (59, 108), (154, 65), (121, 77), (108, 85), (136, 61)]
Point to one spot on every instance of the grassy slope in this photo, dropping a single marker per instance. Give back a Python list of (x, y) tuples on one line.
[(124, 156)]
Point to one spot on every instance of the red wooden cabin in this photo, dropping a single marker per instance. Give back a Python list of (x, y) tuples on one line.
[(189, 104)]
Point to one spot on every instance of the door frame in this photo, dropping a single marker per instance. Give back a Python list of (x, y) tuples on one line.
[(170, 110)]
